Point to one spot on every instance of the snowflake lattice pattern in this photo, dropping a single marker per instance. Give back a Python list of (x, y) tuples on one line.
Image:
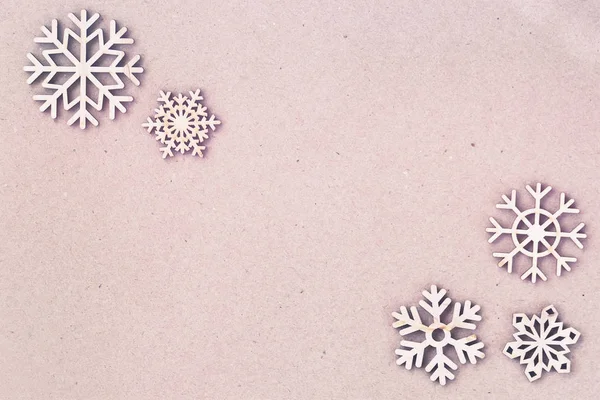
[(83, 69), (541, 343), (536, 233), (438, 335), (181, 123)]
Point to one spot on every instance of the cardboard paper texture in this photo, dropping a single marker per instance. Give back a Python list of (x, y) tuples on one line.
[(363, 148)]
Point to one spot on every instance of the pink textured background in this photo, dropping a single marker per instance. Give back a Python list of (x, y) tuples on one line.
[(364, 146)]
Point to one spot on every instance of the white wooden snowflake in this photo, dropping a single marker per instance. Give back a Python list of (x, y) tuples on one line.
[(181, 123), (541, 343), (438, 335), (536, 233), (80, 69)]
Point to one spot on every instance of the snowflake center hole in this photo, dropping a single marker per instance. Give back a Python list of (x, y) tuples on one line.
[(438, 334)]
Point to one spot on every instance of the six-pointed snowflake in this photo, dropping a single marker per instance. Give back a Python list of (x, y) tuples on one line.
[(541, 343), (438, 335), (82, 70), (181, 123), (536, 233)]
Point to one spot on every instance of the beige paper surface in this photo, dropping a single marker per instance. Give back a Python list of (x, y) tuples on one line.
[(364, 145)]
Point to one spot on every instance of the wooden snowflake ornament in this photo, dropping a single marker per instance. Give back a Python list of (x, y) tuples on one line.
[(181, 123), (541, 343), (438, 335), (536, 233), (80, 68)]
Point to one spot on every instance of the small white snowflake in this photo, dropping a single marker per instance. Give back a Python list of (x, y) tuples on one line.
[(438, 335), (82, 69), (181, 123), (538, 228), (541, 343)]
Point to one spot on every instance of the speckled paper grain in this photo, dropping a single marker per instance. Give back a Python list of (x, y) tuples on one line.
[(364, 145)]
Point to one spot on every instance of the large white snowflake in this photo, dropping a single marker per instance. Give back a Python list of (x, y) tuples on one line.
[(81, 69), (541, 343), (536, 233), (438, 335), (181, 123)]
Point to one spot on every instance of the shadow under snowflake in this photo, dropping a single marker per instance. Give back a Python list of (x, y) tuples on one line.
[(541, 343), (438, 335)]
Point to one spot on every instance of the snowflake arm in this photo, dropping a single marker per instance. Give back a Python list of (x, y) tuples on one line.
[(51, 68), (411, 353), (115, 102), (575, 235), (51, 37), (561, 262), (468, 348), (509, 203), (195, 105), (538, 194), (437, 302), (441, 366), (534, 272), (565, 207), (211, 123), (461, 319), (507, 258), (408, 323), (497, 230)]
